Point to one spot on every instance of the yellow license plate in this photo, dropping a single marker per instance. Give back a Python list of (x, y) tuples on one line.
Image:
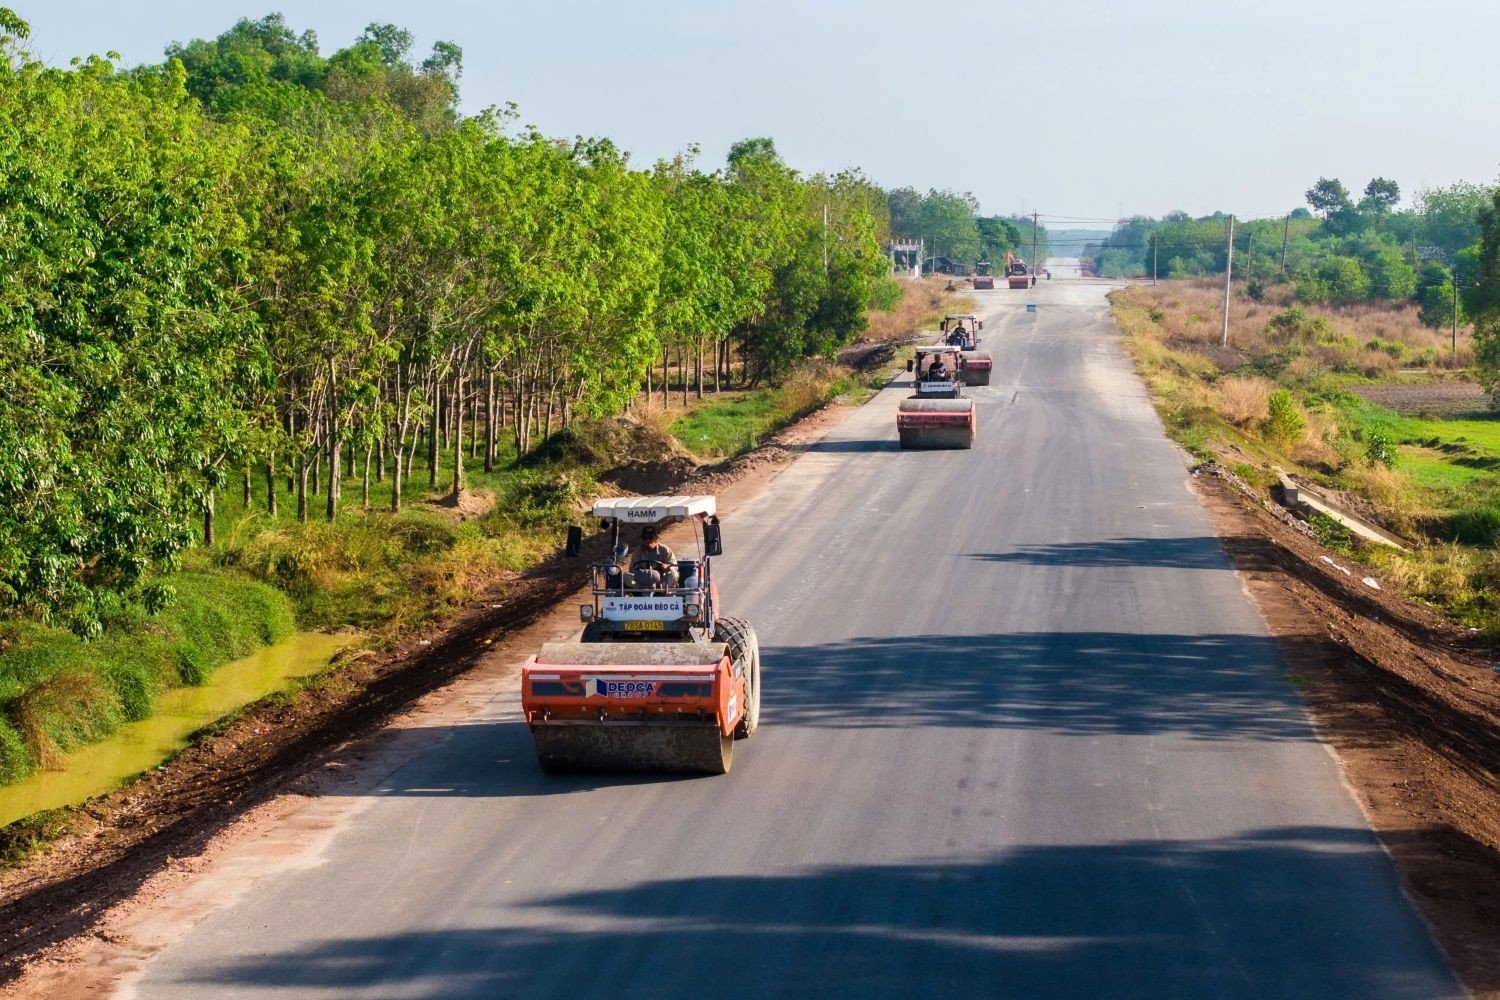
[(644, 626)]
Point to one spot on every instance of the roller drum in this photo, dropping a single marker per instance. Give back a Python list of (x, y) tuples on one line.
[(936, 423), (678, 748)]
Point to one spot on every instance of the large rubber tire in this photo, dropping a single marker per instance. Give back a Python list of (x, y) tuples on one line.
[(744, 648)]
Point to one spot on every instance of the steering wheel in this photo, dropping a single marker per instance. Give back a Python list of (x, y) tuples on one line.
[(645, 564)]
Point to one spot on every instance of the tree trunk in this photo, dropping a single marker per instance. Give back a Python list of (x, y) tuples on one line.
[(248, 485), (650, 364), (665, 361), (317, 469), (396, 456), (698, 368), (302, 473), (489, 422), (380, 446), (432, 432), (208, 519), (473, 426), (458, 458), (291, 431), (271, 484), (365, 496), (335, 463), (682, 372), (450, 402)]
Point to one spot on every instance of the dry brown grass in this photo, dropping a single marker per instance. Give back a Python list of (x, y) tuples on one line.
[(924, 302), (1244, 401), (1316, 446), (1371, 338)]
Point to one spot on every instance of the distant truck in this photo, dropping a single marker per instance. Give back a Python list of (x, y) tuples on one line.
[(1016, 274)]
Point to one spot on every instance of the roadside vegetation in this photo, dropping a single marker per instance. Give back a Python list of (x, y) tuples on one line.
[(1336, 251), (1364, 399), (289, 342)]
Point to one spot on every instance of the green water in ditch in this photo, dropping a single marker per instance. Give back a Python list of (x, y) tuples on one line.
[(140, 746)]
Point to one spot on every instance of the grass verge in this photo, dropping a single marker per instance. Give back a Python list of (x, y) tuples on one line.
[(1286, 393)]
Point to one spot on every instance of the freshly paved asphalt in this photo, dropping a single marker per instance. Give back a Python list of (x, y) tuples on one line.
[(1024, 736)]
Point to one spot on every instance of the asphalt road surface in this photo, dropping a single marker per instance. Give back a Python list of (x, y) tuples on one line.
[(1024, 735)]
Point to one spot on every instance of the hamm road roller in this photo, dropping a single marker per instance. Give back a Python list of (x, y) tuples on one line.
[(657, 680), (937, 415), (962, 331)]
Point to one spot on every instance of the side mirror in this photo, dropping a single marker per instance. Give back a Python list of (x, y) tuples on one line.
[(981, 324), (713, 541), (910, 364), (575, 542)]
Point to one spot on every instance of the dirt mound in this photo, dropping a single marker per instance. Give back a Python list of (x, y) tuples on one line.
[(652, 477), (638, 456), (467, 505)]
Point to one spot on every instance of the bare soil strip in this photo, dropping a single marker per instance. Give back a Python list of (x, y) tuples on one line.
[(1410, 704)]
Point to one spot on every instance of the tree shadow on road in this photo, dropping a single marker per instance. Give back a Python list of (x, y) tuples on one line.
[(1212, 687), (1287, 912), (1203, 552)]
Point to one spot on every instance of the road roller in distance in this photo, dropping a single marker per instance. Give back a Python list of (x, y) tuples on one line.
[(961, 331), (658, 679), (937, 415), (984, 277)]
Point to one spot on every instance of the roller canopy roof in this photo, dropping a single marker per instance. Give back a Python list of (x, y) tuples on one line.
[(652, 510)]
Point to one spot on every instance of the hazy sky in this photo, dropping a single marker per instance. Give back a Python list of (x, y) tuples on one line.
[(1073, 108)]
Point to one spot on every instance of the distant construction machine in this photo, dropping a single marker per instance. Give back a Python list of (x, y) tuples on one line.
[(983, 279), (1016, 273), (937, 415), (657, 680)]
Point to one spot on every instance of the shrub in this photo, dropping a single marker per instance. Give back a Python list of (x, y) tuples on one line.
[(1294, 322), (1329, 533), (1380, 449), (1284, 423), (886, 294), (1244, 400)]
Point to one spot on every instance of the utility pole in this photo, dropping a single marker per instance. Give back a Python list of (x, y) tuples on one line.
[(1034, 216), (1286, 229), (1455, 314), (1228, 273), (1153, 259)]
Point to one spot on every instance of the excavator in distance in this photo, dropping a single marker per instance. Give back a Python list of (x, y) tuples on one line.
[(1016, 273)]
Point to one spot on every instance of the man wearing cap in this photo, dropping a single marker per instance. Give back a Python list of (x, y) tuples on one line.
[(654, 564)]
